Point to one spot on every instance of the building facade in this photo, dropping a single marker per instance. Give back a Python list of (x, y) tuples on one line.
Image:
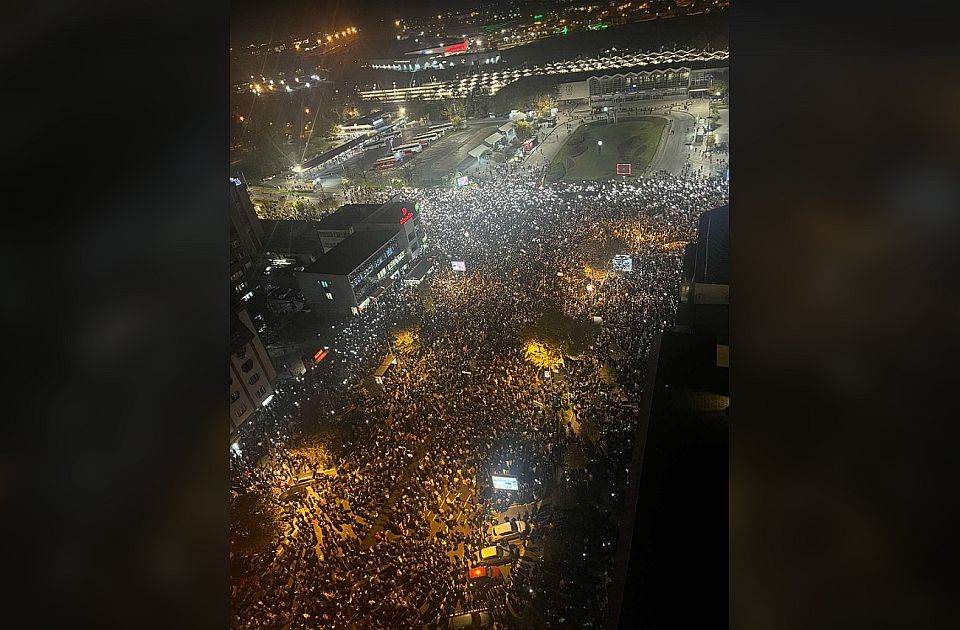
[(366, 247), (609, 89), (246, 242), (252, 374)]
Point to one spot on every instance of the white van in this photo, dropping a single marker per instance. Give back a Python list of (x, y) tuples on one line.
[(477, 619), (508, 531)]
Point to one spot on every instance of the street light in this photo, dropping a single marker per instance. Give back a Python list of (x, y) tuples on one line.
[(599, 146)]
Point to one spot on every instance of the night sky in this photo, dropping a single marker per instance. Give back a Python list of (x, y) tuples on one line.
[(257, 19)]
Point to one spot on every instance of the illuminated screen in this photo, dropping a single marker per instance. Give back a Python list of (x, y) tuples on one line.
[(505, 483), (458, 265), (622, 262), (624, 169), (463, 181)]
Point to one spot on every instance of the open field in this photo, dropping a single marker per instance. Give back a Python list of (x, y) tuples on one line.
[(633, 141)]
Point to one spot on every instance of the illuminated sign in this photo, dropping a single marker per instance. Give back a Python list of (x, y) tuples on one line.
[(320, 355), (505, 483), (463, 180), (624, 169), (235, 181), (458, 265), (454, 49), (405, 215)]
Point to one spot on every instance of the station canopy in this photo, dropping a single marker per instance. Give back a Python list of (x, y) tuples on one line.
[(476, 152), (493, 138)]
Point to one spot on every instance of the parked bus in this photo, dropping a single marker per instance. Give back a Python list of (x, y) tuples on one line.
[(427, 137), (385, 163), (441, 128), (413, 147)]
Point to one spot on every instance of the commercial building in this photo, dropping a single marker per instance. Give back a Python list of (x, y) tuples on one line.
[(366, 247), (252, 374), (246, 242), (292, 239)]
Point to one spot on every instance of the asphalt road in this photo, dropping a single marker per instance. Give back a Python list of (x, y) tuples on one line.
[(441, 159)]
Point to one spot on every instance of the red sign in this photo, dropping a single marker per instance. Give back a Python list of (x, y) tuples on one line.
[(624, 169), (319, 355), (453, 49), (405, 215)]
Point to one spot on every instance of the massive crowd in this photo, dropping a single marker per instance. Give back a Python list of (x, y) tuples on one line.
[(384, 538)]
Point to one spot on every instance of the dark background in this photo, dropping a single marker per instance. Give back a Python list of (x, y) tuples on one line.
[(844, 202)]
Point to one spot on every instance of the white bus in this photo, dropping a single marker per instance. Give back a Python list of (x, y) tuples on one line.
[(413, 147), (441, 128), (427, 137)]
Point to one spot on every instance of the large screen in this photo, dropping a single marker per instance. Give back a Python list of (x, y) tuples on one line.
[(505, 483), (622, 262), (458, 265)]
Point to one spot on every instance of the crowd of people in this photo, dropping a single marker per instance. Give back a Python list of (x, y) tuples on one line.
[(399, 508)]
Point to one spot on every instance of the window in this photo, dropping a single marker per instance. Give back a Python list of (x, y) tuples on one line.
[(241, 353), (261, 391), (324, 284), (247, 365), (241, 410), (234, 396), (254, 378), (329, 295)]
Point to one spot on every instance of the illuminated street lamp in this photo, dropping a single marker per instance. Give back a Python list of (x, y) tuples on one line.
[(599, 146)]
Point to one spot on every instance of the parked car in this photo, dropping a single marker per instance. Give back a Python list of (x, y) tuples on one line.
[(508, 531), (476, 619), (495, 554)]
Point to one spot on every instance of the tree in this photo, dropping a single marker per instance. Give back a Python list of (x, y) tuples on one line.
[(451, 109), (524, 129), (544, 103)]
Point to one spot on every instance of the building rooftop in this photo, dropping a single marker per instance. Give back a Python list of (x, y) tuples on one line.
[(347, 215), (476, 152), (370, 119), (711, 254), (494, 138), (290, 236), (351, 252), (391, 212)]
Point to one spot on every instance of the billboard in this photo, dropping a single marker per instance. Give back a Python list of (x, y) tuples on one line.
[(578, 90), (622, 262), (505, 483), (463, 180), (624, 169), (458, 265)]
